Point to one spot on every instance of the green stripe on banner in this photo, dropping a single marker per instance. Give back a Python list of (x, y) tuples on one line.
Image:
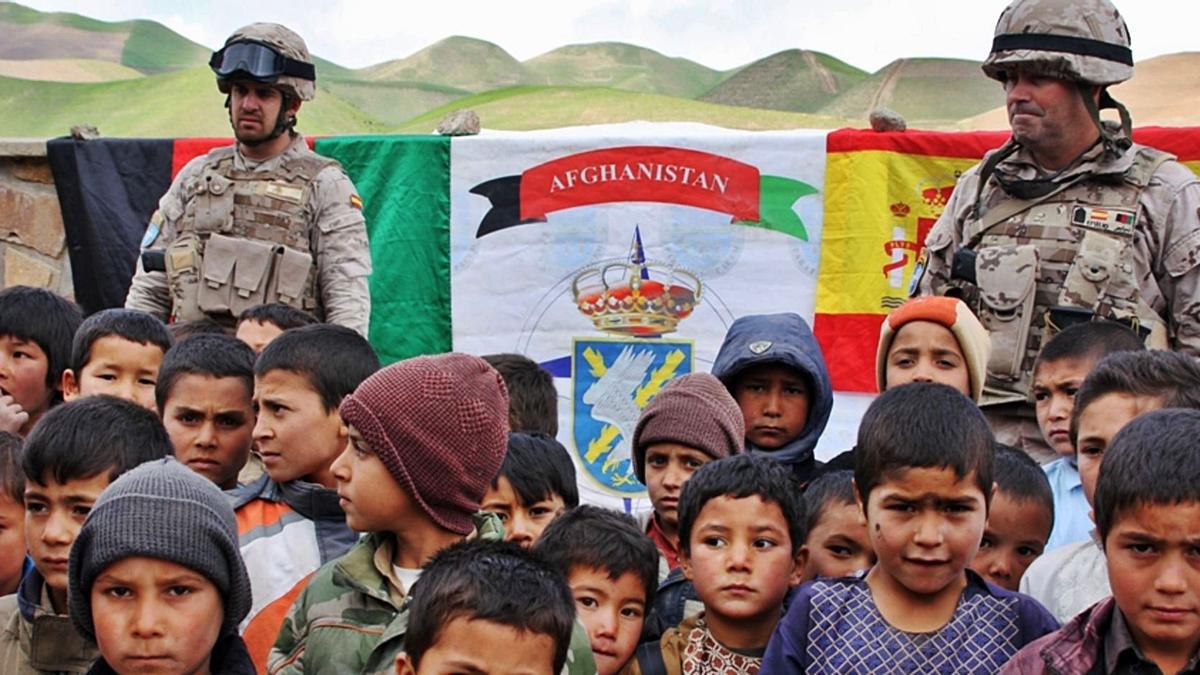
[(404, 182)]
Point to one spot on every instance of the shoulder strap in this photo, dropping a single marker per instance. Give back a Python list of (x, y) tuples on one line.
[(650, 659), (1145, 164), (1009, 208)]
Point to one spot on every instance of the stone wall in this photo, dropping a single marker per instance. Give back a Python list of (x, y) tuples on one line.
[(33, 249)]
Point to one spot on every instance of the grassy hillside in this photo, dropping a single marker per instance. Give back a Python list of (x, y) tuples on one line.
[(456, 62), (389, 102), (621, 66), (523, 108), (927, 92), (795, 80), (66, 70)]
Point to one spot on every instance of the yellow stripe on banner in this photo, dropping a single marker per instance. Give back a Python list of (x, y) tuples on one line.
[(877, 204)]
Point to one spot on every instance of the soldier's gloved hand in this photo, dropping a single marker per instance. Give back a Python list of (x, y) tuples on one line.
[(12, 415)]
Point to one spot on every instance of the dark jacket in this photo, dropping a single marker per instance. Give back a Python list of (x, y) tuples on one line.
[(786, 339)]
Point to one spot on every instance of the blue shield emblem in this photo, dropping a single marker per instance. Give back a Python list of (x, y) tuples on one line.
[(612, 380)]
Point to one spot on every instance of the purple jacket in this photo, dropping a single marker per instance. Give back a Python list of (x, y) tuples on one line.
[(1074, 649)]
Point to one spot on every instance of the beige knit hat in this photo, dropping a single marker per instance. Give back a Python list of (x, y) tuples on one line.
[(952, 313), (695, 410)]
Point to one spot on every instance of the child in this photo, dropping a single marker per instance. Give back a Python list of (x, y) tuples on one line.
[(612, 570), (290, 521), (72, 454), (741, 528), (1060, 368), (487, 607), (533, 400), (773, 367), (923, 474), (36, 327), (156, 578), (13, 561), (1122, 386), (535, 485), (1148, 516), (183, 330), (1019, 520), (260, 324), (692, 421), (205, 395), (117, 352), (426, 436), (837, 541)]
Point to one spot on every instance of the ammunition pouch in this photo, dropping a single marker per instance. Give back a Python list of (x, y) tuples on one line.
[(1007, 277), (182, 260)]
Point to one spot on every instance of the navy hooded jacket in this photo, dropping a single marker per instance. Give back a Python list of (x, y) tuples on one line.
[(786, 339)]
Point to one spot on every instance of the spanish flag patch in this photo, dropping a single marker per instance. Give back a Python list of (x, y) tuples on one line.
[(356, 202)]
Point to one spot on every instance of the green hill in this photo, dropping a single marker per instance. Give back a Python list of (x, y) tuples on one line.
[(795, 80), (621, 66), (456, 62), (524, 108), (389, 102), (927, 92), (182, 103), (66, 70)]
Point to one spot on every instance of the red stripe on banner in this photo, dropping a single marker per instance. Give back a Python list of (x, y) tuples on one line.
[(187, 149), (1183, 142), (642, 174), (965, 144), (848, 342)]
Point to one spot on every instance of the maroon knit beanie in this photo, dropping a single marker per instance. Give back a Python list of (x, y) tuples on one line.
[(440, 426), (695, 410)]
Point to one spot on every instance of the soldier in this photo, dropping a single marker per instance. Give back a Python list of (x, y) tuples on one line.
[(1070, 220), (266, 219)]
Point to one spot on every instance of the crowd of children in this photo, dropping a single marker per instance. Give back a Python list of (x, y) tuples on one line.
[(182, 500)]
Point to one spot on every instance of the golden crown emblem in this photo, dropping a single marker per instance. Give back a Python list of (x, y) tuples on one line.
[(634, 296)]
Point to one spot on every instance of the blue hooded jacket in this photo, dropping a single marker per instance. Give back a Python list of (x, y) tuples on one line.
[(786, 339)]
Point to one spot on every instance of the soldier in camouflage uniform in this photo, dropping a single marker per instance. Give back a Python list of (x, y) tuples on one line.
[(1070, 220), (266, 219)]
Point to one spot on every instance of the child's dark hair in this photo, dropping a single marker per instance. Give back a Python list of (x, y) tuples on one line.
[(493, 581), (184, 330), (12, 478), (1151, 460), (738, 477), (923, 425), (333, 358), (209, 354), (833, 488), (91, 435), (1092, 340), (284, 316), (537, 466), (46, 319), (1172, 377), (1021, 478), (127, 324), (532, 398), (603, 539)]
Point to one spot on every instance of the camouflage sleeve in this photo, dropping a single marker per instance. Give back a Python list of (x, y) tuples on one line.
[(943, 240), (343, 255), (148, 291), (287, 654), (1180, 266)]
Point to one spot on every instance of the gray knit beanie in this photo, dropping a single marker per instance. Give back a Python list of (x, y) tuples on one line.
[(695, 410), (162, 510)]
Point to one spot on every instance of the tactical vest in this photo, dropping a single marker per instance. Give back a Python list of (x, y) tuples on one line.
[(244, 239), (1072, 251)]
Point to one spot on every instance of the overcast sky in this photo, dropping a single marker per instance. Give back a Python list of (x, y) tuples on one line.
[(717, 33)]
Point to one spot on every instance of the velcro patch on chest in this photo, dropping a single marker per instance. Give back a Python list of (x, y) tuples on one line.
[(1105, 219), (285, 192)]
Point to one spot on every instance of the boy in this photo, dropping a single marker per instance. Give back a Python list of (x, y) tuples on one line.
[(1060, 368), (426, 437), (260, 324), (1019, 520), (156, 578), (535, 485), (1122, 386), (612, 570), (290, 520), (487, 607), (533, 400), (117, 352), (36, 327), (773, 367), (837, 541), (1148, 516), (691, 422), (72, 454), (205, 397), (923, 475), (13, 561), (741, 528)]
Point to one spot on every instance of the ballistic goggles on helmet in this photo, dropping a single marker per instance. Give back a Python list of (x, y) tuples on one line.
[(258, 60)]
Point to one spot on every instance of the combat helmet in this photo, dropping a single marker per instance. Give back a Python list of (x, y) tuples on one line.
[(268, 53)]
